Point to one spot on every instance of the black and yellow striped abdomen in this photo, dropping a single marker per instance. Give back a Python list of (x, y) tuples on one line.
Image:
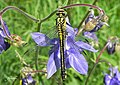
[(61, 27)]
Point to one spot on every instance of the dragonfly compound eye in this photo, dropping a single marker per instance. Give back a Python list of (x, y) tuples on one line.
[(60, 12)]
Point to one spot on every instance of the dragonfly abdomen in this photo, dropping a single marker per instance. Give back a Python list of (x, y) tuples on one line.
[(62, 40), (61, 25)]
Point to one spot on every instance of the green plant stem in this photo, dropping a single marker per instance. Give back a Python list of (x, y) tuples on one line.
[(91, 71), (36, 59), (26, 14), (44, 19), (101, 52), (36, 64), (70, 6), (35, 71), (84, 5), (50, 15), (69, 11), (97, 61), (13, 83), (36, 55), (19, 10)]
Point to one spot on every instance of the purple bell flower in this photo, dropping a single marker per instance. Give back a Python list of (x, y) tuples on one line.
[(28, 80), (111, 48), (4, 45), (93, 24), (73, 51), (113, 78)]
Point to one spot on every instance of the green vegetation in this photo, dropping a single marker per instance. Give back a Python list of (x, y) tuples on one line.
[(10, 64)]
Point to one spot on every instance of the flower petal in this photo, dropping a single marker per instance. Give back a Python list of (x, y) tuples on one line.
[(67, 63), (30, 80), (90, 17), (1, 49), (117, 76), (24, 81), (54, 48), (75, 31), (1, 40), (85, 46), (3, 44), (116, 73), (111, 48), (114, 81), (6, 45), (53, 63), (67, 60), (113, 78), (51, 67), (70, 31), (2, 33), (40, 39), (91, 35), (97, 27), (54, 41), (77, 61), (107, 79)]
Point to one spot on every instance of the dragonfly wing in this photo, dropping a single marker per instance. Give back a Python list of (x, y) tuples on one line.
[(41, 39)]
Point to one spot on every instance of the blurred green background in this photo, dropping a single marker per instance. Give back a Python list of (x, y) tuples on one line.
[(10, 64)]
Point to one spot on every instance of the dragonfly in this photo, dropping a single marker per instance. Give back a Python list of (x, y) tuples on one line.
[(60, 30), (61, 27)]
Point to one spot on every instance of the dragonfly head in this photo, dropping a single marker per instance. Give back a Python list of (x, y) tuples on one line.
[(60, 13)]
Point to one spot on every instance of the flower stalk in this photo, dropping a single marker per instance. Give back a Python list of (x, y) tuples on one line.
[(51, 14), (91, 71), (97, 61), (19, 10), (84, 5), (101, 52)]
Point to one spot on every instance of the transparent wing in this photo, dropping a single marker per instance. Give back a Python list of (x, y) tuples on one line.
[(51, 32)]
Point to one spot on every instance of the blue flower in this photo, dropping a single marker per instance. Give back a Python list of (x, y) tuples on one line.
[(93, 24), (111, 47), (113, 78), (28, 80), (4, 45), (73, 51)]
